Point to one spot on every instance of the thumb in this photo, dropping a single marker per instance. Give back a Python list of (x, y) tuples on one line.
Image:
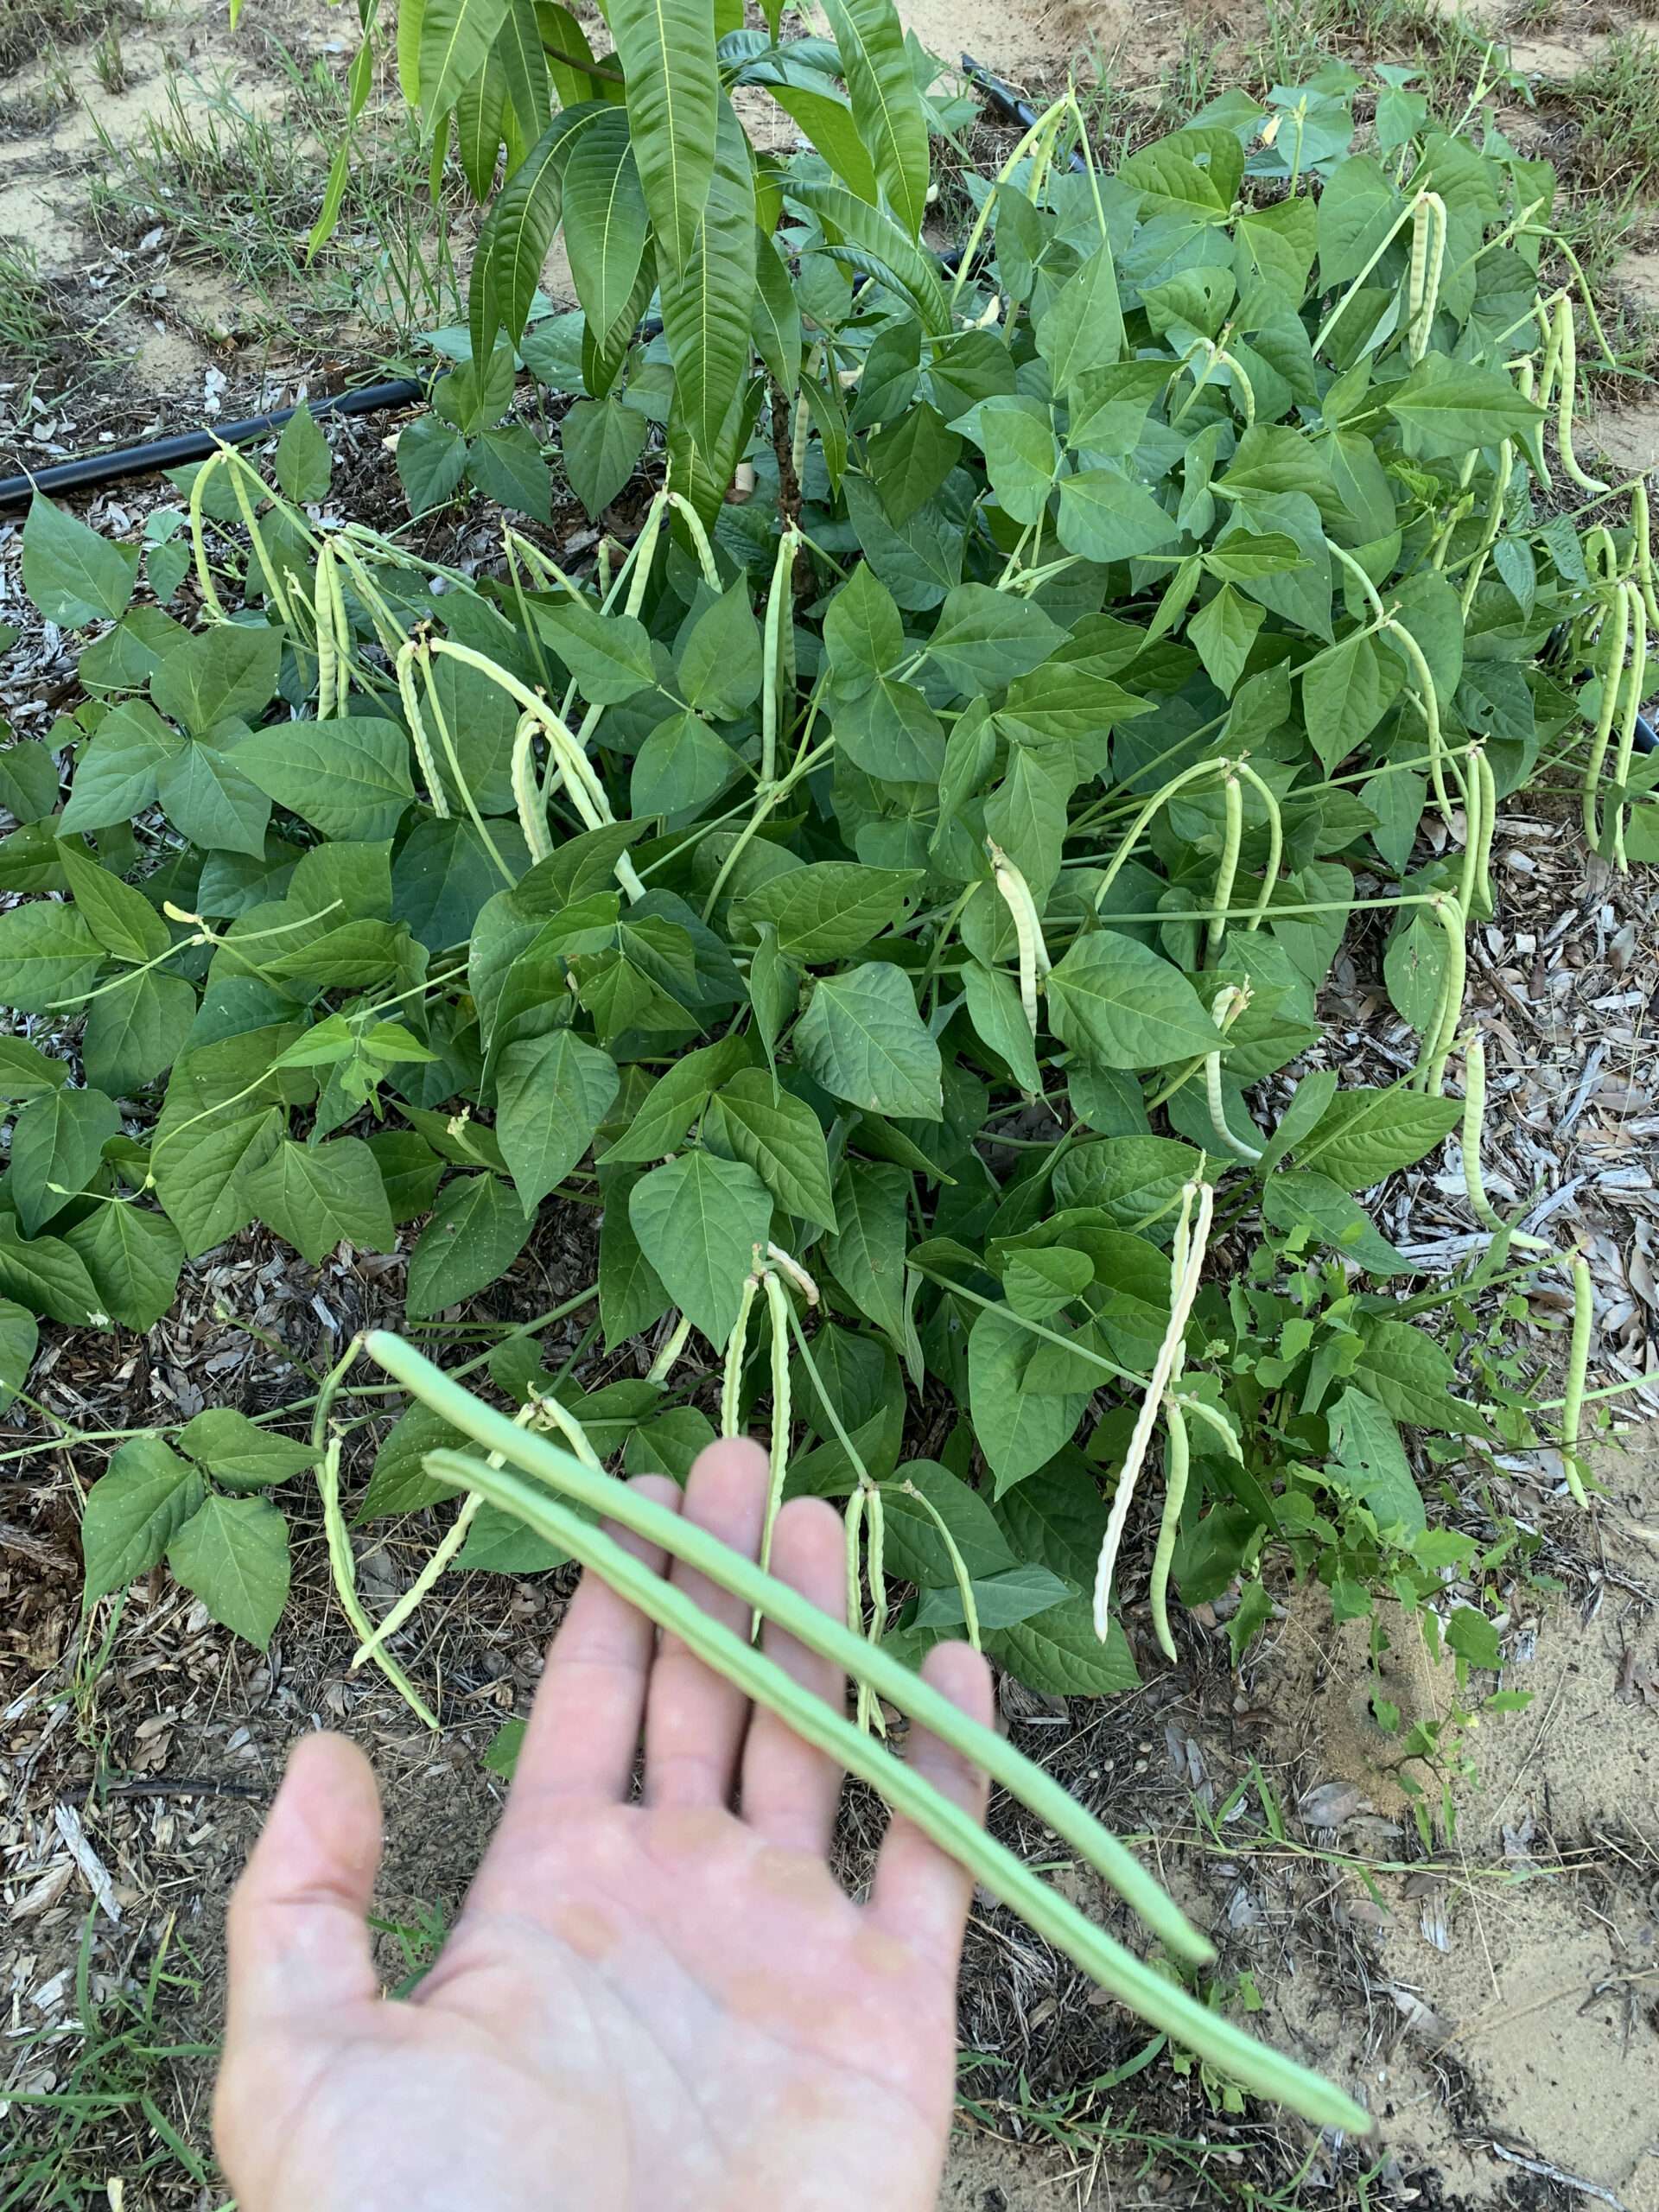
[(296, 1930)]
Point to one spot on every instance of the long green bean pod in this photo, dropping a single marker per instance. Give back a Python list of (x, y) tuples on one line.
[(1428, 701), (1488, 825), (1473, 811), (322, 612), (642, 553), (1027, 928), (416, 649), (1566, 395), (778, 1452), (1437, 1044), (779, 612), (693, 521), (1164, 1370), (1578, 1372), (1157, 1998), (1501, 477), (1642, 550), (731, 1381), (1177, 1464), (1148, 808), (959, 1573), (1230, 1003), (1427, 260), (1636, 678), (1616, 631), (538, 1457), (527, 790), (205, 585), (875, 1568), (1474, 1180), (1232, 837), (342, 1568)]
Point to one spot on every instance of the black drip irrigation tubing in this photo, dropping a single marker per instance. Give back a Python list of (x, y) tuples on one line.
[(403, 392), (200, 444)]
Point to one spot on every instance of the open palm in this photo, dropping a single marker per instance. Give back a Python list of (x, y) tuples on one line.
[(666, 2005)]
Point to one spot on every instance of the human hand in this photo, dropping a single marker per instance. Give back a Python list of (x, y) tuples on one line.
[(666, 2006)]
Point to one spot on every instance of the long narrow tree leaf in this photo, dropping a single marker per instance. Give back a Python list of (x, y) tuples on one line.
[(519, 52), (707, 303), (604, 220), (667, 51), (873, 243), (514, 242), (457, 36), (886, 106)]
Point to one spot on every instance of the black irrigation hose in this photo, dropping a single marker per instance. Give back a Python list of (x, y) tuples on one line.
[(1009, 102), (199, 445)]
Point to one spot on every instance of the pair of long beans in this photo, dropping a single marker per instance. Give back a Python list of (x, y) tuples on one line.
[(571, 1483)]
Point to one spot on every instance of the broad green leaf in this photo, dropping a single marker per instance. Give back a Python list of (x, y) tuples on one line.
[(134, 1256), (233, 1553), (74, 575), (886, 106), (55, 1148), (1301, 1198), (720, 663), (1223, 630), (28, 780), (1117, 1002), (909, 460), (601, 441), (699, 1221), (830, 908), (867, 1250), (994, 1009), (210, 799), (1058, 1653), (50, 1277), (431, 462), (1082, 328), (916, 1551), (750, 1118), (507, 464), (118, 775), (240, 1454), (551, 1094), (608, 654), (225, 674), (315, 1195), (1449, 409), (1364, 1135), (1018, 1429), (1411, 1376), (134, 1511), (863, 632), (863, 1040), (681, 766), (1105, 517), (302, 463), (675, 1100), (1345, 693), (122, 919), (985, 638), (1369, 1453), (1133, 1180), (1000, 1601), (1023, 457), (47, 955), (476, 1233), (19, 1337), (348, 777)]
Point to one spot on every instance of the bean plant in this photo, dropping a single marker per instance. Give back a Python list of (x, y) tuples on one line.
[(887, 889)]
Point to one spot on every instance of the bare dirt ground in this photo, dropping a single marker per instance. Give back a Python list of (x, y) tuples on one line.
[(1494, 1999)]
